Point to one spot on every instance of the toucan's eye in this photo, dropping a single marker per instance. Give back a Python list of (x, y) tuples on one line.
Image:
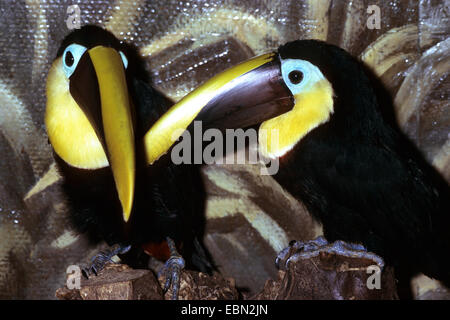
[(68, 60), (71, 56), (299, 75), (295, 76)]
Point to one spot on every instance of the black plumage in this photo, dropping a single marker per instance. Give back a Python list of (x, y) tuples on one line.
[(340, 150), (168, 199), (362, 178)]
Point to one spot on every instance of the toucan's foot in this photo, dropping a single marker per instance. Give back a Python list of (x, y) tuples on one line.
[(297, 247), (298, 250), (172, 270), (100, 260)]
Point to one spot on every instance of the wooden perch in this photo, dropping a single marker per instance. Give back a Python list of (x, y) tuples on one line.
[(200, 286), (330, 277), (116, 282), (326, 276), (120, 282)]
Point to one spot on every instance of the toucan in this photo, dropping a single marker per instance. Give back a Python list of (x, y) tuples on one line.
[(323, 115), (99, 107)]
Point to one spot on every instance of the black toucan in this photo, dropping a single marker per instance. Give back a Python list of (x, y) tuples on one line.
[(320, 114), (99, 108)]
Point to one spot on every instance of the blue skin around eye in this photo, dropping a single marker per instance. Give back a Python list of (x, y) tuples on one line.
[(311, 74), (77, 52)]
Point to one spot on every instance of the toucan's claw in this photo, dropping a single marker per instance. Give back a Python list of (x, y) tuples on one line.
[(172, 270), (298, 250), (100, 260), (296, 247)]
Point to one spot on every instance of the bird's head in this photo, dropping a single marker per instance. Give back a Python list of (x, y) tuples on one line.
[(89, 113), (292, 91)]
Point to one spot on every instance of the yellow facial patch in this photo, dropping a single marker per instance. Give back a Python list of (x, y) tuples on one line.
[(313, 106), (71, 134)]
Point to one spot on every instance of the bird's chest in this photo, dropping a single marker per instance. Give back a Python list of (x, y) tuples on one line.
[(303, 173)]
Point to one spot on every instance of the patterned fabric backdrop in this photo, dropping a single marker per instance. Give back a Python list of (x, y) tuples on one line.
[(249, 217)]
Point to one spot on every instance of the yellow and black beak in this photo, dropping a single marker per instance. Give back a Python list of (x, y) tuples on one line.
[(90, 125), (242, 96)]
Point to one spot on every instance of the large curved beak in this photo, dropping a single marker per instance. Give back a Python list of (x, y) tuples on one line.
[(99, 87), (242, 96)]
